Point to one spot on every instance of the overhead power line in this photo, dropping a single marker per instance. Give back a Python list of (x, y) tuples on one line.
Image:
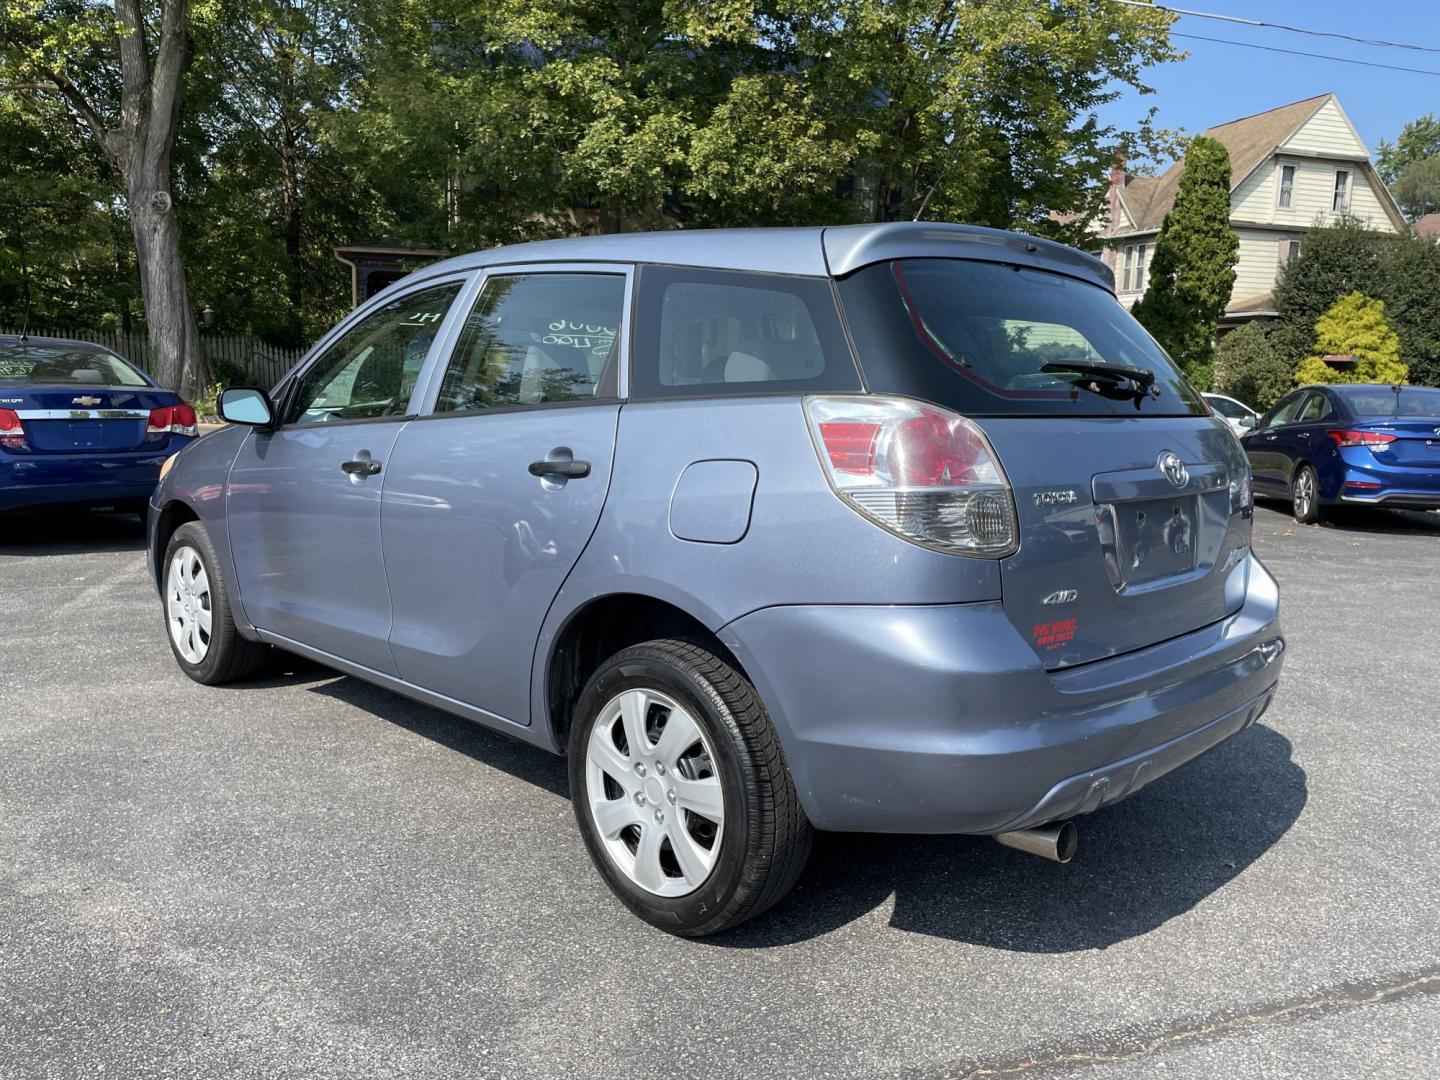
[(1282, 26), (1313, 56)]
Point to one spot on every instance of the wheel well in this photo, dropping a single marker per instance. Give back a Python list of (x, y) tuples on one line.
[(601, 629), (175, 514)]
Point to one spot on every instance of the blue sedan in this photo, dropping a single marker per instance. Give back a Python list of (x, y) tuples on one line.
[(81, 427), (1363, 445)]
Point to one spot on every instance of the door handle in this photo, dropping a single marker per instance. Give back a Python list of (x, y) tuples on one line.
[(1271, 438), (360, 467), (573, 470)]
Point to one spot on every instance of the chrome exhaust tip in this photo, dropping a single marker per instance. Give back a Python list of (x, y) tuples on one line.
[(1055, 841)]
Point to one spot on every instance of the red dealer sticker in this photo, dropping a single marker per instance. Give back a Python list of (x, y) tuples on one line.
[(1051, 635)]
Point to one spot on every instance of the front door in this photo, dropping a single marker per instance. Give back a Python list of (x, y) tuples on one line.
[(1265, 447), (490, 499), (304, 500)]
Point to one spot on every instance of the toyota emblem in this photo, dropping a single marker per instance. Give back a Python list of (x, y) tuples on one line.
[(1173, 468)]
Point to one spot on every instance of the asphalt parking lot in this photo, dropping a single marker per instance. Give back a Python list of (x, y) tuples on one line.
[(309, 877)]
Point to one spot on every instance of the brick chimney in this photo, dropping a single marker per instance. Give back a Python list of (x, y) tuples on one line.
[(1117, 185)]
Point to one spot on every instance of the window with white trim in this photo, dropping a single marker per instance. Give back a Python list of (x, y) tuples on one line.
[(1288, 250), (1340, 203), (1134, 274), (1287, 187)]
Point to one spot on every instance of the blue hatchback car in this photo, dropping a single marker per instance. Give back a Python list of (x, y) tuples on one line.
[(1352, 444), (81, 427), (904, 528)]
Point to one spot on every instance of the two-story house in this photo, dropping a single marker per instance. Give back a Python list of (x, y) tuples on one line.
[(1289, 168)]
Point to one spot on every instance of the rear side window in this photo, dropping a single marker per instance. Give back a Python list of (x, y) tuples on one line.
[(1315, 408), (533, 339), (976, 336), (717, 333)]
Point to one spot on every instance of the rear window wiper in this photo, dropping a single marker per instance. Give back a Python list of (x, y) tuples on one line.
[(1136, 382)]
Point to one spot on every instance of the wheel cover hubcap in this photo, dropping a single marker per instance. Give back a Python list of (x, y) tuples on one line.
[(653, 792), (1302, 492), (189, 610)]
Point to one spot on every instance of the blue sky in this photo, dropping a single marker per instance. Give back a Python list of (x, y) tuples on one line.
[(1217, 82)]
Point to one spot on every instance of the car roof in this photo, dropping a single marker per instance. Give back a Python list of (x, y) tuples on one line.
[(76, 343), (812, 251)]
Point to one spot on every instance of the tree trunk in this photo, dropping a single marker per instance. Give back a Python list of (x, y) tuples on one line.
[(290, 229), (169, 319)]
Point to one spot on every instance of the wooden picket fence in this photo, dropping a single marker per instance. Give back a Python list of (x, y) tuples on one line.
[(262, 364)]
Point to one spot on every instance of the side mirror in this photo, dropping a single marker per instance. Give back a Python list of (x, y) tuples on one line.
[(1247, 422), (246, 405)]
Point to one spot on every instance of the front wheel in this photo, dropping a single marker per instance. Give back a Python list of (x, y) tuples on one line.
[(680, 790), (198, 620), (1305, 495)]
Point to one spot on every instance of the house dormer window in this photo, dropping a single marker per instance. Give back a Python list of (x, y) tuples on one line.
[(1341, 202), (1134, 274), (1287, 186)]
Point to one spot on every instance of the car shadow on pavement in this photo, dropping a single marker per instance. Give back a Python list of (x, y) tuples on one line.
[(520, 760), (1361, 519), (1140, 863), (76, 533)]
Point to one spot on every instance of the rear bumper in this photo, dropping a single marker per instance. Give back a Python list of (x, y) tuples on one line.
[(940, 718), (1411, 487), (34, 480)]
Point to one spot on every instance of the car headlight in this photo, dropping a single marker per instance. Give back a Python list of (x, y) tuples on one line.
[(165, 468)]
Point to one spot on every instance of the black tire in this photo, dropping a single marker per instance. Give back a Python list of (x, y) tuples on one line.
[(1305, 495), (766, 837), (228, 656)]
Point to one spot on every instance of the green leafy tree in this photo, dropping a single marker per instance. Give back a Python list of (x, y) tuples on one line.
[(1355, 326), (1193, 269), (1333, 261), (1407, 278), (120, 70), (1417, 141), (1336, 260), (553, 117), (1417, 188), (1249, 369)]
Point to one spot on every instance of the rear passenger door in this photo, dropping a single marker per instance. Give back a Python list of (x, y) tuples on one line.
[(493, 492)]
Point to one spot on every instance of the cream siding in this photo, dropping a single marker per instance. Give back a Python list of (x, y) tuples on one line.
[(1312, 194), (1327, 132), (1258, 265)]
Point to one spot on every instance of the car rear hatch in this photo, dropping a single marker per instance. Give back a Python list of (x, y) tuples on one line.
[(1132, 502), (1127, 529), (88, 420)]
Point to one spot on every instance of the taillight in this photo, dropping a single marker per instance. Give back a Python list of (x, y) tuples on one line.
[(918, 470), (175, 419), (1242, 496), (1375, 440), (12, 434)]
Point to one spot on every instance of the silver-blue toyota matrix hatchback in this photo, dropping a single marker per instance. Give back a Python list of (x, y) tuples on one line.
[(890, 528)]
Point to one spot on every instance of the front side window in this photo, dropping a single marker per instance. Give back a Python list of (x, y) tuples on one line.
[(990, 339), (1341, 202), (720, 333), (534, 339), (372, 369), (1287, 186)]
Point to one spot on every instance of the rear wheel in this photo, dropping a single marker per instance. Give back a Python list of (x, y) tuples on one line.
[(198, 620), (680, 791), (1305, 495)]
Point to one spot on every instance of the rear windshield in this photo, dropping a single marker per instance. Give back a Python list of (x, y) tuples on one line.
[(1421, 401), (30, 364), (974, 336)]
